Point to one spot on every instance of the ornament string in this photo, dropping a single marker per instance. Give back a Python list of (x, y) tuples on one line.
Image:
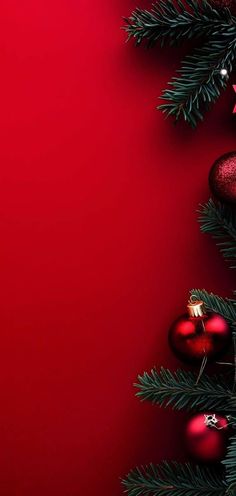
[(234, 343), (201, 370), (204, 360)]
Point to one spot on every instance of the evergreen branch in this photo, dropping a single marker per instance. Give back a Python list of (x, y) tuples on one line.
[(171, 22), (180, 391), (219, 221), (224, 306), (201, 82), (230, 465), (174, 479)]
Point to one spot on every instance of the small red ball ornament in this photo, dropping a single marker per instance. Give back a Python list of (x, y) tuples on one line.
[(222, 178), (206, 437), (197, 334)]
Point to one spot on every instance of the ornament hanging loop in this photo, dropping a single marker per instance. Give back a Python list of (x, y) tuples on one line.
[(193, 299)]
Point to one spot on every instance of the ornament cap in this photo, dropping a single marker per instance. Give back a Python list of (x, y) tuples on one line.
[(196, 308)]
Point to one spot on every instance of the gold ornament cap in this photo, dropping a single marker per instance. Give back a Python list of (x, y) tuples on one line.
[(196, 308)]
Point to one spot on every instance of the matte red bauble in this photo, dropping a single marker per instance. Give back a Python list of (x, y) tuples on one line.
[(198, 334), (206, 437), (222, 178)]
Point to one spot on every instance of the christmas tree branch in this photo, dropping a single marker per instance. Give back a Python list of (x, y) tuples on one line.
[(230, 465), (172, 22), (174, 479), (201, 82), (180, 391), (219, 221), (224, 306)]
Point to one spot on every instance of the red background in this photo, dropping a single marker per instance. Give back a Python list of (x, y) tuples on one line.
[(99, 244)]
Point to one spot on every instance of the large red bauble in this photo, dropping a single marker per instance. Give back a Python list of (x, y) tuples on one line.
[(222, 178), (193, 338), (206, 443)]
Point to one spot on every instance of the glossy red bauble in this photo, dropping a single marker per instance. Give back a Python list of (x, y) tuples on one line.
[(223, 3), (206, 437), (222, 178), (229, 4), (193, 338)]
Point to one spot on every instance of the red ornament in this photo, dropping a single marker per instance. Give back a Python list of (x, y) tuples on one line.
[(206, 437), (223, 3), (222, 178), (198, 334), (230, 4)]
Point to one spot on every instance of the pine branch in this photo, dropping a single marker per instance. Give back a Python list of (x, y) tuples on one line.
[(219, 221), (171, 22), (230, 464), (180, 391), (200, 82), (174, 479), (224, 306)]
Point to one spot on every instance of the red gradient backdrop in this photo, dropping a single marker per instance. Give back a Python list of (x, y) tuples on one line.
[(99, 244)]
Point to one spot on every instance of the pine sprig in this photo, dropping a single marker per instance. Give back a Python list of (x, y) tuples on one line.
[(224, 306), (173, 22), (180, 391), (230, 464), (174, 479), (220, 222), (201, 82)]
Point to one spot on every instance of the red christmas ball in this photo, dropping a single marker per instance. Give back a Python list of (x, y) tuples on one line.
[(192, 338), (230, 4), (222, 178), (206, 437), (223, 3)]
